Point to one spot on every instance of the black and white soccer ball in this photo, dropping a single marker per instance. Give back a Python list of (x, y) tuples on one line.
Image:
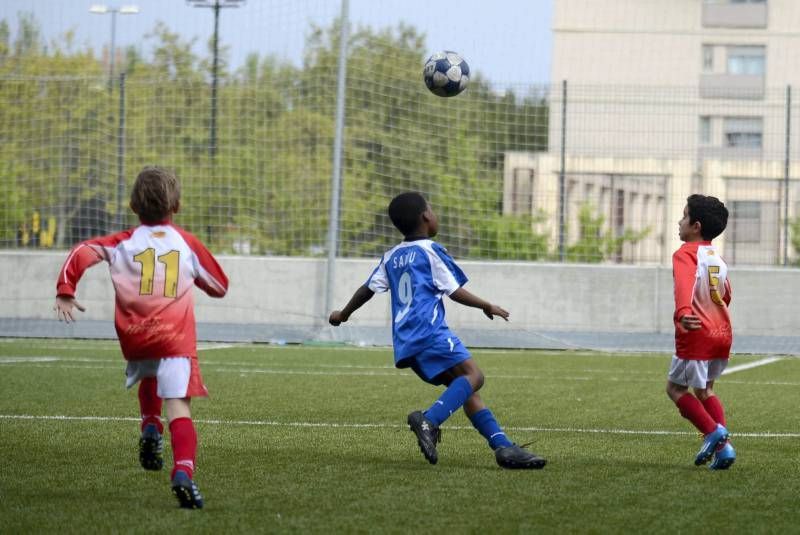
[(446, 74)]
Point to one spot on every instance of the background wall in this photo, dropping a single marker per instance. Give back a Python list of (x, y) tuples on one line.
[(551, 305)]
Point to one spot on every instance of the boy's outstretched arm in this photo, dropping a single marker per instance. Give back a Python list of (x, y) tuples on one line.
[(63, 308), (82, 257), (464, 297), (362, 295)]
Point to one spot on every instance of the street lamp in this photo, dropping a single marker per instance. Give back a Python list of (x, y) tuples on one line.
[(101, 9), (216, 5)]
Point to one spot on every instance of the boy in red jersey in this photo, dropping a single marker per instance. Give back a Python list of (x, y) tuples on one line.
[(703, 333), (153, 267)]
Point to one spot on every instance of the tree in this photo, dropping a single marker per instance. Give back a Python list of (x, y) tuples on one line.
[(595, 244)]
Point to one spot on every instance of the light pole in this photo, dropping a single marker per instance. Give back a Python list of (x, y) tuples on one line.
[(216, 5), (101, 9)]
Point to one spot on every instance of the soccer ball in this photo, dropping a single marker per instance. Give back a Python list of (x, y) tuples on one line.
[(446, 74)]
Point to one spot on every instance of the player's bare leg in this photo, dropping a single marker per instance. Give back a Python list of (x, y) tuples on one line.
[(184, 449)]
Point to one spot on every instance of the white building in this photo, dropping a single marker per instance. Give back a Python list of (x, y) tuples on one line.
[(664, 99)]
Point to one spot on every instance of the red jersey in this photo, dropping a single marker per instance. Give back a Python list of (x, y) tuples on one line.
[(153, 269), (702, 289)]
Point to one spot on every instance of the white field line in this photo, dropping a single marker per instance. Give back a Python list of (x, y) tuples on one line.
[(63, 364), (210, 347), (750, 365), (18, 360), (337, 425)]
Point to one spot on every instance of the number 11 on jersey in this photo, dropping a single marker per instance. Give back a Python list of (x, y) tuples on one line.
[(171, 261)]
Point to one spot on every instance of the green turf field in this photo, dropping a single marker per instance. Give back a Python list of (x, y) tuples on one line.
[(308, 439)]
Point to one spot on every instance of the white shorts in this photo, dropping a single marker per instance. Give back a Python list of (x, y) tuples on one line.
[(178, 377), (695, 373)]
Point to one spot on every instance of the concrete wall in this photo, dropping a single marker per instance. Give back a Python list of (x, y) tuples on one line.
[(289, 291)]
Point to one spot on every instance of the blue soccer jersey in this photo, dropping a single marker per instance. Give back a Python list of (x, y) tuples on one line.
[(418, 273)]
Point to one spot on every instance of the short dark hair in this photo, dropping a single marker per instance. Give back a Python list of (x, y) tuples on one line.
[(155, 194), (710, 212), (405, 211)]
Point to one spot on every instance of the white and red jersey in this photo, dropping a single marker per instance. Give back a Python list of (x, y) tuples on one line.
[(153, 269), (702, 289)]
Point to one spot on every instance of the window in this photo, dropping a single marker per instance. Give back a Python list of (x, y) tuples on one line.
[(588, 192), (705, 130), (746, 218), (522, 191), (743, 132), (746, 60), (708, 58)]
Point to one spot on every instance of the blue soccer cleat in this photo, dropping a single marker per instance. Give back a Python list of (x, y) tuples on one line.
[(723, 458), (710, 443), (186, 491), (151, 448)]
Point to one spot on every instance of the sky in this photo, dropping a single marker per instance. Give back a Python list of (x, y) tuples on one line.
[(508, 41)]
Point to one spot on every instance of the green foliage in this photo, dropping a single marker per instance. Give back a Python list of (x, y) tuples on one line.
[(595, 244), (511, 238), (794, 237), (267, 190)]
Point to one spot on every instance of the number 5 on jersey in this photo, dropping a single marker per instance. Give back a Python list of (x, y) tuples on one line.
[(713, 282), (171, 261)]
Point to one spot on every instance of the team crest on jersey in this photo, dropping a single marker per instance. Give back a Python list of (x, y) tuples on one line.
[(710, 252), (158, 234)]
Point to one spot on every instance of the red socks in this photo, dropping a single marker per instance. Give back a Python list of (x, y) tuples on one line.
[(150, 403), (694, 411), (184, 445), (714, 409)]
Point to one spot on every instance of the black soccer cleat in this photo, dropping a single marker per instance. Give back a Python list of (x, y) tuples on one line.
[(186, 491), (151, 447), (517, 457), (428, 435)]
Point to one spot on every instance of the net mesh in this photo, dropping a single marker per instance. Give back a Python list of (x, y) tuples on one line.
[(574, 171)]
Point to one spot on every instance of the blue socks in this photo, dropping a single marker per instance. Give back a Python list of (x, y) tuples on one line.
[(450, 401), (484, 422)]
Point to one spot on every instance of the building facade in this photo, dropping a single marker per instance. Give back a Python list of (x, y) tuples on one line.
[(652, 101)]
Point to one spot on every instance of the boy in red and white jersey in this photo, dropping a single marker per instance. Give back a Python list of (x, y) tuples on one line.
[(153, 268), (703, 332)]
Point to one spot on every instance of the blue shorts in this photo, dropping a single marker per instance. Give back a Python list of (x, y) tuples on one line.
[(439, 357)]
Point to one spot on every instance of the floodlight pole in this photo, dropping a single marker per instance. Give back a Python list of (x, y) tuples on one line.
[(113, 49), (336, 176), (215, 5), (100, 9), (212, 145)]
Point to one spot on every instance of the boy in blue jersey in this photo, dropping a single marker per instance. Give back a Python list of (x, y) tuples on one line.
[(418, 272)]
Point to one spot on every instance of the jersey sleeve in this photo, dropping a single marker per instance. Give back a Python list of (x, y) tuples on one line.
[(378, 282), (82, 257), (684, 273), (447, 276), (209, 276), (727, 296)]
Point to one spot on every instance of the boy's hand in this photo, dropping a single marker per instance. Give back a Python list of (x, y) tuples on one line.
[(337, 318), (690, 322), (493, 310), (63, 308)]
